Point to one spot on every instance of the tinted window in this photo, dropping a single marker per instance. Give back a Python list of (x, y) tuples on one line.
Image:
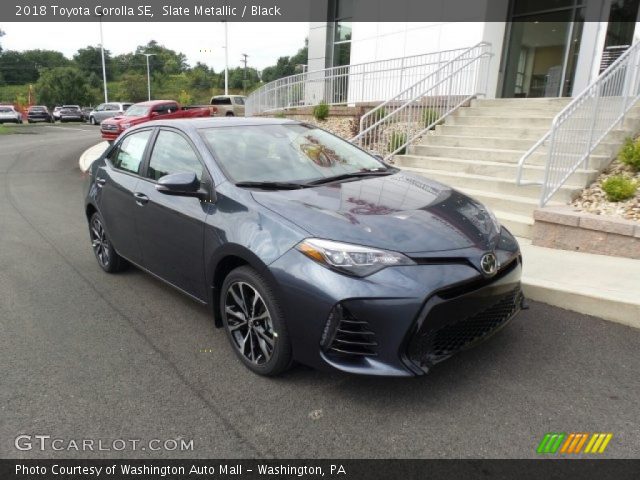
[(238, 100), (128, 155), (172, 154), (221, 101)]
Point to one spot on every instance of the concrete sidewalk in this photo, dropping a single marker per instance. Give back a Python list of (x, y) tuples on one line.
[(91, 154), (599, 285)]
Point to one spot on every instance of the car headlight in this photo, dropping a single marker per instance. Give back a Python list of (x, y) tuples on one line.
[(351, 259)]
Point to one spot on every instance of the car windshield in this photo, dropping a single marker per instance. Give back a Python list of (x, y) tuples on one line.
[(5, 110), (37, 109), (285, 153), (136, 111)]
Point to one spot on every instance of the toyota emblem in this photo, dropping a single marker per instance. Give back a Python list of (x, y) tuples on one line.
[(489, 264)]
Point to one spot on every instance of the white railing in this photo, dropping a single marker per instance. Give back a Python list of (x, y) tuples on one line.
[(349, 84), (578, 129), (394, 124)]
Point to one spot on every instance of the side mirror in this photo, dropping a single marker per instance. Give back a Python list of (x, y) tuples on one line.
[(181, 185)]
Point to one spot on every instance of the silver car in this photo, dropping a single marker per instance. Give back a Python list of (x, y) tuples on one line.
[(8, 113), (107, 110)]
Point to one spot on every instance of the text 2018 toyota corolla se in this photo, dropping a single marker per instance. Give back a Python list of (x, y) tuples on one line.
[(307, 248)]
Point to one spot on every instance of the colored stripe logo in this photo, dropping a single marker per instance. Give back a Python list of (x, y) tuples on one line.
[(574, 443)]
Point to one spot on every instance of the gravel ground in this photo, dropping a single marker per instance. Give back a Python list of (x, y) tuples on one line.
[(594, 200)]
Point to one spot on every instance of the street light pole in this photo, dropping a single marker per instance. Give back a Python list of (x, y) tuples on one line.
[(104, 68), (226, 58), (148, 74), (244, 79)]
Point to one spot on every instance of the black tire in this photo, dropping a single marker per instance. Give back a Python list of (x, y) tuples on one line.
[(105, 254), (260, 357), (229, 114), (92, 121)]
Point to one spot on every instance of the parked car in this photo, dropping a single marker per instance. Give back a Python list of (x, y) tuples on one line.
[(305, 247), (228, 105), (8, 113), (39, 113), (146, 111), (107, 110), (85, 113), (56, 112), (71, 113)]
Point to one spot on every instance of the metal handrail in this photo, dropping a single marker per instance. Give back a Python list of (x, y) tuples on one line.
[(426, 103), (579, 128), (348, 84)]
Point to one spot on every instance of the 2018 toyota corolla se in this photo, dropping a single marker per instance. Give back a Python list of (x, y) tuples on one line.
[(306, 248)]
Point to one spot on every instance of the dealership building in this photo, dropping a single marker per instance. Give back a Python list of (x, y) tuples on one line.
[(547, 48)]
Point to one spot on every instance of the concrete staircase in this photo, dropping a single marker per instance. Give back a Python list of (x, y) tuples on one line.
[(477, 150)]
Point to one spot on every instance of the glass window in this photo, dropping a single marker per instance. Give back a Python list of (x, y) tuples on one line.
[(172, 153), (128, 155), (111, 107), (284, 153), (238, 100), (221, 101)]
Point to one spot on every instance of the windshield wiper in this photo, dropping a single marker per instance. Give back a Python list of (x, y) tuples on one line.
[(361, 173), (272, 185)]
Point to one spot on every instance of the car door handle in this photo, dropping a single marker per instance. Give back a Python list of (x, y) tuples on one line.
[(141, 198), (100, 181)]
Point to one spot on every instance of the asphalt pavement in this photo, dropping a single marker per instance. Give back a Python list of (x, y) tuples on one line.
[(87, 355)]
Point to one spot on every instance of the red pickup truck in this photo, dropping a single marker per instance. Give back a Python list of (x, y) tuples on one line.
[(146, 111)]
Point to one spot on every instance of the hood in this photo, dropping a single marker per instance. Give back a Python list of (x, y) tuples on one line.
[(400, 212), (119, 118)]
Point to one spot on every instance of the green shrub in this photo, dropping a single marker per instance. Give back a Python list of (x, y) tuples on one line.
[(630, 154), (278, 115), (619, 188), (321, 111), (397, 139), (429, 116)]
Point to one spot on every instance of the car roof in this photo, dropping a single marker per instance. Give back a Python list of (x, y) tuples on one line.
[(151, 103), (219, 122)]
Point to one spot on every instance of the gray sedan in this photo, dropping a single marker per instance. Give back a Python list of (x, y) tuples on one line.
[(107, 110)]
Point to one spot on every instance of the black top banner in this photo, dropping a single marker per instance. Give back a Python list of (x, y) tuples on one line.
[(302, 10)]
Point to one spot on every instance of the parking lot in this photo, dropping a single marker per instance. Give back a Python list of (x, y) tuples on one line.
[(86, 355)]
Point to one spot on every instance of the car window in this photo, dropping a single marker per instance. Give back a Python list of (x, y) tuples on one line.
[(172, 153), (128, 155), (221, 101), (100, 107), (5, 109), (238, 100), (111, 107)]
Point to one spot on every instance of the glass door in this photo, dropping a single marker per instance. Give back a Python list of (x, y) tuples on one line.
[(541, 50)]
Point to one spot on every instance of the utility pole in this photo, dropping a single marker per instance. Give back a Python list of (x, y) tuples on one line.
[(104, 68), (148, 74), (226, 58), (244, 81)]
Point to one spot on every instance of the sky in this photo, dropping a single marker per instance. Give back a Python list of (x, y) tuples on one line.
[(200, 42)]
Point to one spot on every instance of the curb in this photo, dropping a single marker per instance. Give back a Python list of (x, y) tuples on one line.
[(91, 154), (607, 308)]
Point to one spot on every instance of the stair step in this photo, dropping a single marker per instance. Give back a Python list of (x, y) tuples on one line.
[(508, 203), (494, 155), (500, 121), (507, 171), (492, 184), (500, 143), (521, 102), (543, 112), (518, 225), (488, 132)]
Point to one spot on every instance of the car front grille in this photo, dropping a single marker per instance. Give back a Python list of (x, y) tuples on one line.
[(440, 343), (347, 335), (109, 128)]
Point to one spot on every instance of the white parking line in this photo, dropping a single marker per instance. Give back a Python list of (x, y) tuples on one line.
[(69, 128)]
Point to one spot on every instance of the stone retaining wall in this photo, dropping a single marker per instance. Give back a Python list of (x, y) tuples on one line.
[(567, 229)]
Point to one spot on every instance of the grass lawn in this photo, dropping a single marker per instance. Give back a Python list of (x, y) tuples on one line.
[(5, 130)]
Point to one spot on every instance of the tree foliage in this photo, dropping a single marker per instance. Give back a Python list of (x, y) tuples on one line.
[(64, 85), (89, 61)]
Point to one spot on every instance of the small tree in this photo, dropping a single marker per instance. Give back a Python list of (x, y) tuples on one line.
[(184, 98), (63, 85), (133, 87)]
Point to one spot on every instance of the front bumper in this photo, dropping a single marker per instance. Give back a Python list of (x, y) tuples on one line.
[(110, 135), (397, 322)]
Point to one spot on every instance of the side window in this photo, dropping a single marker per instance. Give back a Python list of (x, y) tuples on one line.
[(100, 107), (239, 100), (172, 154), (128, 155), (111, 107), (221, 101), (160, 109)]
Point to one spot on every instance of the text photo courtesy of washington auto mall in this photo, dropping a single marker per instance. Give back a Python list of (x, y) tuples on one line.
[(360, 239)]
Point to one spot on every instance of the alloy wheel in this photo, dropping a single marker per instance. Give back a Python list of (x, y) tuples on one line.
[(249, 323), (100, 243)]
